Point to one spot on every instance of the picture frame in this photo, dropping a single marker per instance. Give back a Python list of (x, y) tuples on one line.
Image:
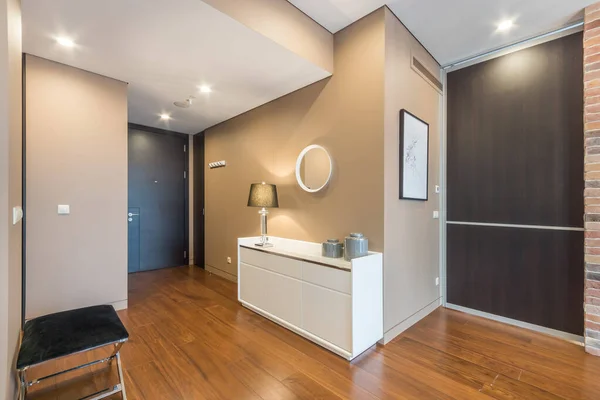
[(413, 157)]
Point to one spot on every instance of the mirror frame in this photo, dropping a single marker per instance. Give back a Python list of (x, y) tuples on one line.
[(299, 165)]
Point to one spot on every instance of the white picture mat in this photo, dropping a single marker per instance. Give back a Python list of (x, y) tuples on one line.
[(414, 158)]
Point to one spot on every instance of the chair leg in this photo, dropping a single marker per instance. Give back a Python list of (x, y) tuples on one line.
[(115, 352), (121, 379), (22, 385)]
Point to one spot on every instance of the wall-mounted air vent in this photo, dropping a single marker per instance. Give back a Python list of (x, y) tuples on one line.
[(426, 74)]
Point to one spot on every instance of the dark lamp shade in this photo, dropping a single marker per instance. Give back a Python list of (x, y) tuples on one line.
[(263, 195)]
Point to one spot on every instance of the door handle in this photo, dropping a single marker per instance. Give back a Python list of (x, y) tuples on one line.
[(131, 214)]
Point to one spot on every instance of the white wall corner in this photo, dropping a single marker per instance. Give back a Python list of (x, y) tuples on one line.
[(120, 305), (410, 321)]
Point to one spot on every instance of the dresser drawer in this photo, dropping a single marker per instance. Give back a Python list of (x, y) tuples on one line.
[(281, 265), (332, 278), (328, 315), (276, 294)]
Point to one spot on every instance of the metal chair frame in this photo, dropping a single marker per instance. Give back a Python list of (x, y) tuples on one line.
[(24, 384)]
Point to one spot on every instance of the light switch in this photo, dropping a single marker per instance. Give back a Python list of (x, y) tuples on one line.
[(436, 214), (437, 188), (17, 214), (64, 209)]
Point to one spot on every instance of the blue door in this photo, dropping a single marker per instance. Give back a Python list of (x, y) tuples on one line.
[(133, 239), (157, 173)]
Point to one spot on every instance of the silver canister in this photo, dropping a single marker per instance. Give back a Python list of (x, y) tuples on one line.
[(332, 248), (356, 245)]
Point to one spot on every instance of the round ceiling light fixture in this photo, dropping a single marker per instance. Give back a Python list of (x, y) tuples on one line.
[(65, 41), (186, 103), (506, 25)]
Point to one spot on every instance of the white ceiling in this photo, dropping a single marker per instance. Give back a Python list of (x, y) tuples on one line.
[(454, 29), (164, 50)]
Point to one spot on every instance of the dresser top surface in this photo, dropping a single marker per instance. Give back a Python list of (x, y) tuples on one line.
[(299, 250)]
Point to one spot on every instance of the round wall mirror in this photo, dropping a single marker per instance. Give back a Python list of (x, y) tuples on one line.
[(313, 168)]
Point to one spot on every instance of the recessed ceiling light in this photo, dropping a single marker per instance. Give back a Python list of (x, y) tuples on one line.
[(505, 25), (165, 117), (205, 89), (65, 41)]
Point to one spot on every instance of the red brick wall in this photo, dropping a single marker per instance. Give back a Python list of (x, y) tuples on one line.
[(592, 178)]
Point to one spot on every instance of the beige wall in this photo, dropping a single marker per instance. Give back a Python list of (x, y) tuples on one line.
[(283, 23), (411, 249), (76, 155), (344, 114), (355, 115), (10, 191)]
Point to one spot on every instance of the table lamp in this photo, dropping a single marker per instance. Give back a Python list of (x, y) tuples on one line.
[(263, 195)]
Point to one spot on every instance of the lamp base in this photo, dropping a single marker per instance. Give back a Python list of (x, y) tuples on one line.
[(263, 244), (264, 240)]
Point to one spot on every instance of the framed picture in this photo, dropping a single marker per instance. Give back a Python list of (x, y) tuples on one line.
[(414, 157)]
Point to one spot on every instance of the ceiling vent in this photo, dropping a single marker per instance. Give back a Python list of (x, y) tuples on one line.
[(420, 69), (186, 103)]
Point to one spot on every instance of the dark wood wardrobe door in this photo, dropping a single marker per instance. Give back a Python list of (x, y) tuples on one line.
[(515, 137), (515, 157), (530, 275)]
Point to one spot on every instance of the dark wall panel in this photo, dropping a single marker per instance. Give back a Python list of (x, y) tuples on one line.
[(198, 165), (515, 137), (529, 275)]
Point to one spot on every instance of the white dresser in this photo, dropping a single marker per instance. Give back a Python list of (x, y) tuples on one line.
[(335, 303)]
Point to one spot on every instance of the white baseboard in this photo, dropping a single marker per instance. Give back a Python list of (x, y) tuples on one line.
[(119, 305), (221, 273), (410, 321), (541, 329)]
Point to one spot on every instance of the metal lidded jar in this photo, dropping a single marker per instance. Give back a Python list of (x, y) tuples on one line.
[(356, 245), (332, 248)]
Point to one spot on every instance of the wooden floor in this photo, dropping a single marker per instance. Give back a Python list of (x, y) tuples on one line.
[(189, 339)]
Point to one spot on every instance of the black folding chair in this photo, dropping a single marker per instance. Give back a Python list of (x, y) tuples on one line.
[(70, 332)]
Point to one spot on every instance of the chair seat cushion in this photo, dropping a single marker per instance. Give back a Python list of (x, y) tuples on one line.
[(68, 332)]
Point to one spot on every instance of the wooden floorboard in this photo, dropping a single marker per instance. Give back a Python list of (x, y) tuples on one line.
[(190, 339)]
